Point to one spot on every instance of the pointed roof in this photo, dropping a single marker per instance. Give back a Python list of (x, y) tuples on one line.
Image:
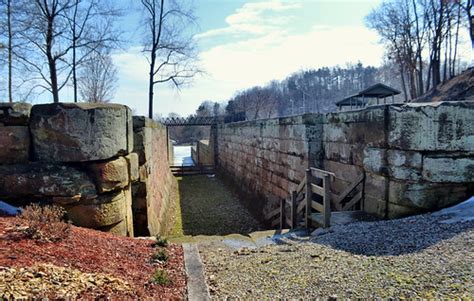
[(378, 90)]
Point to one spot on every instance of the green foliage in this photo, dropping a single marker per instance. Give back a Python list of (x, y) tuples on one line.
[(160, 277), (160, 255), (161, 241)]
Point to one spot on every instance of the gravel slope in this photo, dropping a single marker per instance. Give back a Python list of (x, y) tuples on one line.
[(414, 257)]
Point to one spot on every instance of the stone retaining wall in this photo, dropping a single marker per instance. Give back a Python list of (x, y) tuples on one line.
[(203, 153), (266, 159), (78, 156), (152, 193), (415, 157)]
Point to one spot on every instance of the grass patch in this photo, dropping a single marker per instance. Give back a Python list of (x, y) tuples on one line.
[(160, 277), (208, 207)]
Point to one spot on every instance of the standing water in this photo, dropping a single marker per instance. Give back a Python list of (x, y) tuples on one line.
[(182, 156)]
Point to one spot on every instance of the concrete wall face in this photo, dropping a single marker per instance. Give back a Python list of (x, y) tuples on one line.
[(415, 157), (151, 194), (78, 156)]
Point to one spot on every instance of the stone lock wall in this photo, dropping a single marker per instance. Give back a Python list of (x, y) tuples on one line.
[(153, 192), (266, 159), (415, 157), (203, 152), (78, 156)]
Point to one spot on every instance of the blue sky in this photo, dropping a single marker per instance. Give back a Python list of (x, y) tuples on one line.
[(248, 43)]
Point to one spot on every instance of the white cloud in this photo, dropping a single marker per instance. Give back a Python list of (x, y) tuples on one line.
[(243, 64), (262, 50), (255, 18)]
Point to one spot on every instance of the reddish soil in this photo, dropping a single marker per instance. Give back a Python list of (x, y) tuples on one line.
[(92, 251)]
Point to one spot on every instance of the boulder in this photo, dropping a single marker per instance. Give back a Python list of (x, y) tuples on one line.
[(105, 210), (110, 175), (44, 180), (15, 144), (67, 132), (16, 113)]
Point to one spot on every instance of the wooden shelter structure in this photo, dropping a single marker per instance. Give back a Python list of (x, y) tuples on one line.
[(378, 91)]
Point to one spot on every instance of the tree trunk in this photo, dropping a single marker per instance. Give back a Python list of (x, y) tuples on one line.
[(402, 76), (74, 44), (10, 50), (151, 86), (52, 61)]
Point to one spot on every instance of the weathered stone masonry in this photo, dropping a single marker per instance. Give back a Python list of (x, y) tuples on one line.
[(79, 156), (415, 157), (152, 193)]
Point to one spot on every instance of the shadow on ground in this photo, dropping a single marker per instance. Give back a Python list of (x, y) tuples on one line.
[(393, 237), (207, 207)]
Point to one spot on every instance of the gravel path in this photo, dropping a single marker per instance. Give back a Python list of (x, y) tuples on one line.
[(207, 207), (413, 257)]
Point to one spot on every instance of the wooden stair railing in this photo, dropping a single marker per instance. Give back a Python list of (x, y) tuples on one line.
[(314, 194)]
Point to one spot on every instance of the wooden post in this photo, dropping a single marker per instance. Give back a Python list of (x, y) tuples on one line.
[(168, 146), (327, 201), (293, 209), (282, 214), (309, 198)]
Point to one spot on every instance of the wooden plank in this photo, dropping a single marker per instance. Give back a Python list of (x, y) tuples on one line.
[(327, 202), (353, 201), (317, 206), (300, 186), (317, 189), (275, 222), (293, 209), (308, 200), (349, 188), (321, 173), (301, 206), (300, 197), (282, 213), (272, 214)]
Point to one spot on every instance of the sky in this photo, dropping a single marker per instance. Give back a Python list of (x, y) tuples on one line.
[(247, 43)]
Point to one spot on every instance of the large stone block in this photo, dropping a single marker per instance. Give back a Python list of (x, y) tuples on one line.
[(404, 165), (80, 132), (426, 196), (440, 126), (361, 127), (110, 175), (16, 113), (14, 144), (129, 212), (375, 205), (133, 166), (43, 180), (106, 210), (448, 169), (375, 160)]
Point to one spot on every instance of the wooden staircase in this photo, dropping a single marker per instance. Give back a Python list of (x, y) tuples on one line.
[(313, 204)]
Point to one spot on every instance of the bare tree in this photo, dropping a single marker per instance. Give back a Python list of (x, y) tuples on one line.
[(97, 79), (59, 29), (91, 25), (170, 48)]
